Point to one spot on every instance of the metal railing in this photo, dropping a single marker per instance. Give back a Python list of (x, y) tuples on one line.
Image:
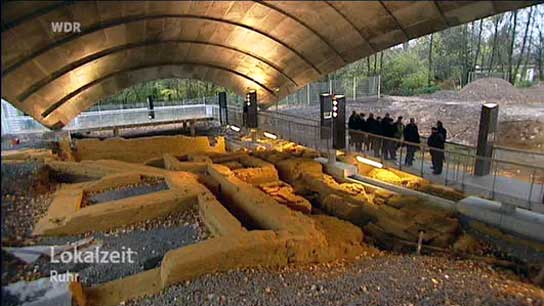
[(109, 118), (511, 181), (525, 189)]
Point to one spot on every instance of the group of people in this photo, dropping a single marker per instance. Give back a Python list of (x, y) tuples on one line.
[(384, 136)]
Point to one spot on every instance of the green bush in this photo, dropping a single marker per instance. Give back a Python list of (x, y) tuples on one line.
[(404, 74), (525, 84)]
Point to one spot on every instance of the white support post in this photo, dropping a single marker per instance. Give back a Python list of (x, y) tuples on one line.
[(354, 88), (308, 93), (379, 85)]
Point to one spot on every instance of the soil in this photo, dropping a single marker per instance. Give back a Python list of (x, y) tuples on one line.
[(492, 90)]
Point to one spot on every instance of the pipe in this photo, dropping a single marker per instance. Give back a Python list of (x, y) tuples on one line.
[(509, 218)]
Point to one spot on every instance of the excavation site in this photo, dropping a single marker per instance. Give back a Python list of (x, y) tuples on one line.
[(268, 153)]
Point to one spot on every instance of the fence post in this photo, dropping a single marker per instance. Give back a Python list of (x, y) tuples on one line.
[(379, 85), (308, 93), (533, 175), (447, 169), (422, 159), (354, 87), (400, 155), (494, 179)]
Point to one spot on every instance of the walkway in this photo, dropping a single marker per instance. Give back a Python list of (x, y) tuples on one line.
[(506, 189)]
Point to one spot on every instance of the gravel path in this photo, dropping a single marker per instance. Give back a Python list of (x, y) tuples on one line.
[(382, 280)]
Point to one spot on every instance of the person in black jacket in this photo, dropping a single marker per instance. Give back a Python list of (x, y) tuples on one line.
[(436, 141), (364, 128), (361, 127), (353, 123), (372, 127), (441, 130), (411, 134), (388, 130)]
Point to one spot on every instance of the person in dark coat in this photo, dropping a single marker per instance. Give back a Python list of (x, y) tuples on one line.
[(399, 132), (388, 130), (353, 123), (436, 141), (411, 134), (361, 126), (372, 127), (364, 129), (441, 130)]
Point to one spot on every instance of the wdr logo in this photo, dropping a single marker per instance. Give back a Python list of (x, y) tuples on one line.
[(66, 27)]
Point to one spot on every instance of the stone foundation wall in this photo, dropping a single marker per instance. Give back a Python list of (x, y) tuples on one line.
[(140, 150)]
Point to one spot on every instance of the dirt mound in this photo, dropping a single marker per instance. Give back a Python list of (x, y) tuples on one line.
[(492, 90), (535, 93), (525, 135), (445, 95)]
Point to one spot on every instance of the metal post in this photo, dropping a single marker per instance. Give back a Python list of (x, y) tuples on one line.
[(379, 85), (533, 175), (422, 159), (494, 179), (308, 93), (464, 172), (289, 129), (400, 155), (447, 169), (354, 88)]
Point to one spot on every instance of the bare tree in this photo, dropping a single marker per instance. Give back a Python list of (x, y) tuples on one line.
[(529, 45), (539, 54), (430, 76), (494, 46), (523, 44), (478, 46), (511, 50)]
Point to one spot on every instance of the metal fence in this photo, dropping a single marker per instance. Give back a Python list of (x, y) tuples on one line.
[(100, 117), (517, 183), (352, 88), (510, 181)]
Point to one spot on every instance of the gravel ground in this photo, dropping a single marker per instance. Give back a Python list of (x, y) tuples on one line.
[(380, 280), (151, 239), (26, 195), (144, 187)]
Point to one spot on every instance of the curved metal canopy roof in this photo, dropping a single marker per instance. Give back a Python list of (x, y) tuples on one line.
[(274, 47)]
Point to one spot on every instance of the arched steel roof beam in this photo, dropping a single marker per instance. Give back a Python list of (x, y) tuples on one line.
[(441, 13), (66, 98), (102, 26), (396, 20), (38, 85), (372, 47), (302, 23), (37, 13)]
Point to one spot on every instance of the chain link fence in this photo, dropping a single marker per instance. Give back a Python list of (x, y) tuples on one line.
[(353, 88)]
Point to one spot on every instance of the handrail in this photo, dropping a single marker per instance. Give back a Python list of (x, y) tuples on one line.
[(519, 150), (425, 146)]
